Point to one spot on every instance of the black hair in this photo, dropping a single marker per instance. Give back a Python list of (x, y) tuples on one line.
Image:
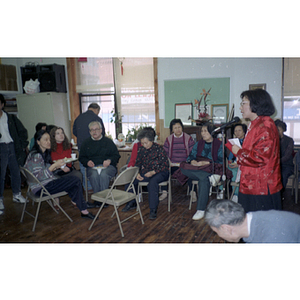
[(173, 122), (94, 106), (210, 127), (49, 127), (39, 126), (244, 127), (2, 99), (260, 102), (147, 132), (36, 148), (281, 124)]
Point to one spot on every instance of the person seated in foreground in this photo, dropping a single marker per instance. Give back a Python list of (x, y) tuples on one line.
[(229, 220), (153, 164), (38, 127), (100, 156), (239, 131), (178, 145), (40, 164), (61, 148)]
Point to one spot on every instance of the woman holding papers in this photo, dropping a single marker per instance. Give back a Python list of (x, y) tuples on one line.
[(259, 159)]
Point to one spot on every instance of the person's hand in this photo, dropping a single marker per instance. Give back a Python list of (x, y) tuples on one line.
[(199, 163), (139, 177), (150, 174), (235, 149), (66, 169), (91, 164), (106, 163), (233, 165)]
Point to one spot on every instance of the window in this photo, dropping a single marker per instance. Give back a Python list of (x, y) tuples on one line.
[(291, 98), (125, 83)]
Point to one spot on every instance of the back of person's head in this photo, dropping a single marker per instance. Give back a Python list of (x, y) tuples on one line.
[(147, 132), (219, 212), (40, 126), (94, 106), (49, 127), (173, 122), (2, 99), (281, 124), (260, 102)]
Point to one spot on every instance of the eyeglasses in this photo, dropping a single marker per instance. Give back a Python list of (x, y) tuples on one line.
[(97, 129), (244, 103)]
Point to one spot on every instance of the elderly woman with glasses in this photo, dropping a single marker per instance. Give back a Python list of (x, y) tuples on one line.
[(259, 159)]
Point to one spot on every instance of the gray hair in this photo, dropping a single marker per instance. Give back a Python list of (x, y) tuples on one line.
[(147, 132), (219, 212), (94, 123)]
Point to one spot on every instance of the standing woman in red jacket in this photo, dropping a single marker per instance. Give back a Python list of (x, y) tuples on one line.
[(259, 158)]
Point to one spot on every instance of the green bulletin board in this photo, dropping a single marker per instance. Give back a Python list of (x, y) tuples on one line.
[(186, 90)]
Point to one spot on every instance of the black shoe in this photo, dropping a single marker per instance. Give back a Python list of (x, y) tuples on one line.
[(88, 216), (153, 214), (129, 206), (90, 205), (98, 204)]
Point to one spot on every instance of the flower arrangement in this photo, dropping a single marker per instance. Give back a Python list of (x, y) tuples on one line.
[(203, 116)]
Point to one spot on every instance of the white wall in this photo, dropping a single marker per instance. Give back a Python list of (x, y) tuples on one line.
[(242, 72)]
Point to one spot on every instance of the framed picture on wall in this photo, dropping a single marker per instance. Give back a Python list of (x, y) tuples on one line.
[(184, 111), (219, 113), (262, 86)]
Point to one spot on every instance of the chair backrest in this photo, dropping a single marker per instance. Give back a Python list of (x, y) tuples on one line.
[(126, 177), (31, 179)]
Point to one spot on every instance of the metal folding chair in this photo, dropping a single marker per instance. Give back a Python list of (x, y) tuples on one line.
[(44, 196)]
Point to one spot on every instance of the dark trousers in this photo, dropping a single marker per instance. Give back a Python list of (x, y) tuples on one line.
[(8, 158), (70, 184), (153, 188), (286, 172), (203, 185)]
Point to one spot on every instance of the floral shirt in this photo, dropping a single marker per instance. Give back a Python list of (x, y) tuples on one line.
[(153, 159), (259, 159)]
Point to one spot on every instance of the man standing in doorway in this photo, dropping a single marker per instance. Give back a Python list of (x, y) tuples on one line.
[(82, 132), (13, 142)]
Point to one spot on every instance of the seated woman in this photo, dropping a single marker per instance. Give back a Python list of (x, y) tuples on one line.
[(38, 127), (136, 147), (61, 148), (153, 164), (239, 131), (206, 153), (39, 163), (178, 146), (286, 153)]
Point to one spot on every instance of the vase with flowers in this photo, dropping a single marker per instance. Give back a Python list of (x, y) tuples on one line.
[(203, 116)]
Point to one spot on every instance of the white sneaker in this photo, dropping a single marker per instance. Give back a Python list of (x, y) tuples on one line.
[(198, 215), (1, 204), (194, 196), (220, 196), (19, 198), (1, 212), (163, 196), (235, 198)]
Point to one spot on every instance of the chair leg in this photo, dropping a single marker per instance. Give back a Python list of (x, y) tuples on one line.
[(169, 197), (191, 197), (97, 215), (36, 215), (23, 211)]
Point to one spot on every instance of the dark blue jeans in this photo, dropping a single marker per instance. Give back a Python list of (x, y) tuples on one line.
[(8, 158), (153, 188), (70, 184)]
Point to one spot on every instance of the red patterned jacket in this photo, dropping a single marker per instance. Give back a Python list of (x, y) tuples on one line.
[(259, 159)]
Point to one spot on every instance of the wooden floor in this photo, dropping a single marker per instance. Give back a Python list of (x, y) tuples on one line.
[(176, 226)]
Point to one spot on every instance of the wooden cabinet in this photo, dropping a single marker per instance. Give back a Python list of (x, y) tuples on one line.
[(125, 154), (193, 131)]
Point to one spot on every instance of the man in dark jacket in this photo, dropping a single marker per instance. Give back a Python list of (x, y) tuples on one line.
[(13, 143), (82, 132)]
